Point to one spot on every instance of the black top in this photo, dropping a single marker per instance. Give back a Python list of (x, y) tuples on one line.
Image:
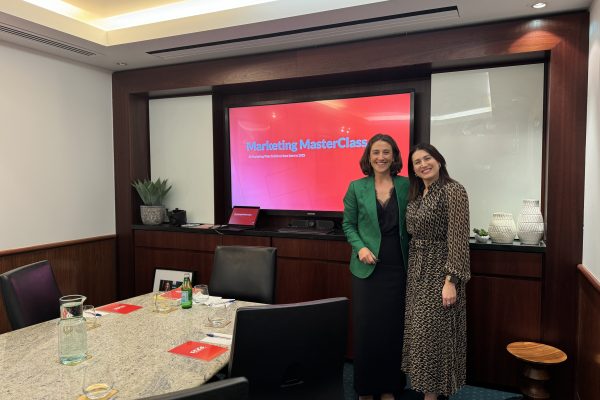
[(390, 250)]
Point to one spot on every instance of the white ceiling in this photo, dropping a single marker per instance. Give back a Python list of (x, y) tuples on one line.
[(270, 25)]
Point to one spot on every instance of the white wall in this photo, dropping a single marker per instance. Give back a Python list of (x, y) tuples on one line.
[(591, 214), (56, 150), (181, 150)]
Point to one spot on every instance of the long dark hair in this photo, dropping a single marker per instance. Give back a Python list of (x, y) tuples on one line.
[(416, 184), (365, 160)]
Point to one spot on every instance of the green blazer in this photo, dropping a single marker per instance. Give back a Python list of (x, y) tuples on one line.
[(361, 224)]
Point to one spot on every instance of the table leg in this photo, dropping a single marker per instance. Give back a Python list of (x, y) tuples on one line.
[(534, 382)]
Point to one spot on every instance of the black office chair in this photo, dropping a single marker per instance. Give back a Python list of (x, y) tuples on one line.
[(244, 273), (30, 294), (227, 389), (291, 351)]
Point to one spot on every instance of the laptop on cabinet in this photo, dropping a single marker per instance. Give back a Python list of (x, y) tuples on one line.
[(243, 217)]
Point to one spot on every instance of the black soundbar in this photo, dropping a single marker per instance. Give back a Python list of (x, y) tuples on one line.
[(305, 231), (318, 224)]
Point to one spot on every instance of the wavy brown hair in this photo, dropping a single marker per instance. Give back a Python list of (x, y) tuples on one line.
[(365, 160), (416, 184)]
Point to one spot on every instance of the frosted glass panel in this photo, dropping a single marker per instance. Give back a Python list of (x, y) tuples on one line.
[(488, 124), (181, 149)]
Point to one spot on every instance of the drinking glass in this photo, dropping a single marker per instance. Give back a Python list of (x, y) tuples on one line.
[(90, 316), (219, 315), (98, 380), (162, 304), (200, 294)]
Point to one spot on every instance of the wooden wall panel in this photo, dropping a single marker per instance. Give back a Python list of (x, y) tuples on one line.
[(504, 304), (178, 250), (313, 249), (304, 280), (504, 263), (132, 161), (86, 267), (500, 311), (177, 240), (309, 269), (567, 96), (562, 39), (588, 352), (426, 50), (237, 240)]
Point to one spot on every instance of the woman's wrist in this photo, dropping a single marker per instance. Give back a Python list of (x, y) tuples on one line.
[(451, 279)]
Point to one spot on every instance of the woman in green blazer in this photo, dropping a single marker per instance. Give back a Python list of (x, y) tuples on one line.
[(374, 224)]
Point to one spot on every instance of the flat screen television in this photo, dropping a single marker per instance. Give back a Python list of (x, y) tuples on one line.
[(297, 158)]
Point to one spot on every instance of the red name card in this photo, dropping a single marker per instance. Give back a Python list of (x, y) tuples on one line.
[(202, 351), (173, 294), (120, 308)]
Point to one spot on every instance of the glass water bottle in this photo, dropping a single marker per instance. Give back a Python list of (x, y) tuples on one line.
[(186, 292), (72, 331)]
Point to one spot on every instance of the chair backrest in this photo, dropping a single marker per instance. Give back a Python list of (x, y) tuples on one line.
[(291, 351), (244, 273), (227, 389), (30, 294)]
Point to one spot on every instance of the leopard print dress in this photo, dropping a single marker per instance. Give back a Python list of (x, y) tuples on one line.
[(435, 337)]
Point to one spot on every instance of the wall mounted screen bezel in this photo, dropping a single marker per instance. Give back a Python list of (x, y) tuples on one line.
[(316, 213)]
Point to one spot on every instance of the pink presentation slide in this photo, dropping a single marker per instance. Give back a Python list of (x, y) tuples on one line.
[(302, 156)]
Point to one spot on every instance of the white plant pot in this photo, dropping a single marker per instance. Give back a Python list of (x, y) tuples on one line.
[(481, 239), (502, 228), (152, 215), (531, 223)]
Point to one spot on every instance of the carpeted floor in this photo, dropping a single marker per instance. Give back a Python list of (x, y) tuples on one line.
[(466, 393)]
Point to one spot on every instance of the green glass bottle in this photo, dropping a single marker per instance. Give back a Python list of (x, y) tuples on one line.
[(186, 292)]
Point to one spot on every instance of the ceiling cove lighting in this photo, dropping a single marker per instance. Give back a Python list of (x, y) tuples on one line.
[(168, 12), (63, 8), (539, 5)]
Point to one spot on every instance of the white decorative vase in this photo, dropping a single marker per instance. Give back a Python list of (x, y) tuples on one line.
[(531, 222), (152, 215), (502, 228)]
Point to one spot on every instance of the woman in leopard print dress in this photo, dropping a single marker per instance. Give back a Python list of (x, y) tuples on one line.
[(437, 217)]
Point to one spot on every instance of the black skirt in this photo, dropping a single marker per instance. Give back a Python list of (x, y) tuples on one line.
[(378, 325)]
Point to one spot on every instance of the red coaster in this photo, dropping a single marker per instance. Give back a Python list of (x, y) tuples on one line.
[(120, 308), (202, 351)]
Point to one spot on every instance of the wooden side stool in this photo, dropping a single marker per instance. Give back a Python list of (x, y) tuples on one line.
[(537, 357)]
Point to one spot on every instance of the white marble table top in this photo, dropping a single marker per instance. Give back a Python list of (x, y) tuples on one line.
[(136, 345)]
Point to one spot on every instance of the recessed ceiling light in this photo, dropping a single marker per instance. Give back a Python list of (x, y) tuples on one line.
[(121, 64), (539, 5)]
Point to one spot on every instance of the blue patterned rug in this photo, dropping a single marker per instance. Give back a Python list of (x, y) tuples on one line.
[(478, 393), (466, 393)]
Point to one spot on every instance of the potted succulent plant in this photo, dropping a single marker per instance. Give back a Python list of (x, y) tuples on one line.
[(152, 195), (481, 235)]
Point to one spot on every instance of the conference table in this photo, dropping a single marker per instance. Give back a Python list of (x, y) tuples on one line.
[(135, 345)]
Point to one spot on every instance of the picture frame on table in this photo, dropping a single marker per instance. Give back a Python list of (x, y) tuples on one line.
[(168, 279)]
